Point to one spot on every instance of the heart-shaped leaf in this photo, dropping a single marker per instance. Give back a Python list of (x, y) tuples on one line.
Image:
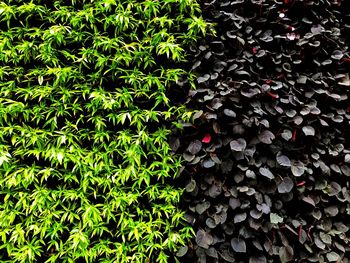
[(234, 203), (283, 160), (332, 256), (240, 218), (204, 239), (266, 137), (309, 131), (182, 251), (286, 254), (298, 168), (266, 172), (230, 113), (286, 185), (195, 147), (238, 145), (202, 207), (191, 186), (208, 163), (238, 245)]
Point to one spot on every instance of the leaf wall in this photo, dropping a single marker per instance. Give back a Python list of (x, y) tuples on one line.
[(267, 174)]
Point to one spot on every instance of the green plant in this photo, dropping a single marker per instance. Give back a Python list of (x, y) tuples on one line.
[(84, 124)]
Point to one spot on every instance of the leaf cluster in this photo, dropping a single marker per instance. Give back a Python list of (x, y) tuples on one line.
[(267, 174), (84, 122)]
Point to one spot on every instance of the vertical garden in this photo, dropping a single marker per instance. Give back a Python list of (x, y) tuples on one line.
[(174, 131)]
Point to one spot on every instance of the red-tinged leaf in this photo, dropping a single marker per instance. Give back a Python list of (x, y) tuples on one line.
[(294, 136), (206, 138), (302, 183), (255, 50), (291, 28), (272, 95), (309, 232), (268, 81), (280, 76), (291, 229), (300, 231)]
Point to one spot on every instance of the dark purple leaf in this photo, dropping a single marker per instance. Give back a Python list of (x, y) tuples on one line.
[(283, 160), (286, 185), (215, 190), (202, 207), (188, 157), (337, 55), (333, 256), (210, 223), (263, 208), (331, 210), (345, 169), (238, 145), (259, 259), (208, 163), (287, 135), (203, 78), (255, 214), (298, 169), (174, 144), (309, 131), (309, 200), (230, 113), (240, 218), (195, 147), (182, 251), (234, 203), (238, 245), (191, 186), (211, 252), (226, 253), (266, 172), (286, 254), (266, 137), (204, 239)]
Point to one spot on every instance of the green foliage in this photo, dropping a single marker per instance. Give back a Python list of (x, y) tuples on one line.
[(84, 124)]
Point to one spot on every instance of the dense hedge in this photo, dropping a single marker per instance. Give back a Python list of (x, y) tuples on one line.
[(268, 153), (84, 123)]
